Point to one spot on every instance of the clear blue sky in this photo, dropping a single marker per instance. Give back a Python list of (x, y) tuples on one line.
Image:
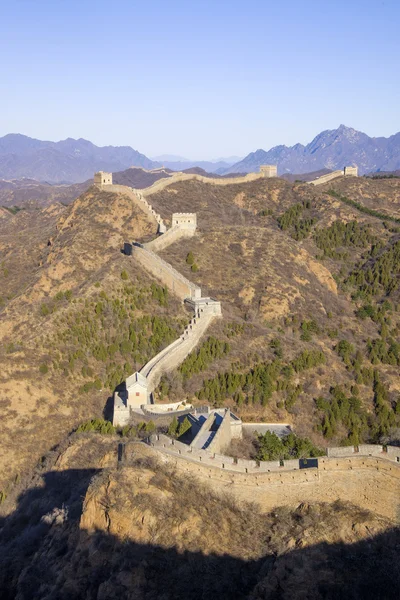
[(201, 79)]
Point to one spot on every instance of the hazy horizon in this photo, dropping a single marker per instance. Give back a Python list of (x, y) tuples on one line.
[(207, 80)]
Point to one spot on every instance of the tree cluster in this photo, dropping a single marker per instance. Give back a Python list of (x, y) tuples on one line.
[(342, 235), (198, 360), (272, 447)]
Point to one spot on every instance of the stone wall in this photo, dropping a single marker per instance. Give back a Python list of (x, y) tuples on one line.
[(351, 171), (171, 236), (176, 178), (327, 177), (170, 277), (173, 355), (185, 220), (370, 482), (269, 170)]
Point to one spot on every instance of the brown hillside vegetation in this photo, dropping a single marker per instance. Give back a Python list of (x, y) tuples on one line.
[(66, 313), (86, 529), (72, 328), (277, 284)]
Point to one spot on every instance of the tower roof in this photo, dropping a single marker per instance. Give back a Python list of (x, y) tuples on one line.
[(136, 379)]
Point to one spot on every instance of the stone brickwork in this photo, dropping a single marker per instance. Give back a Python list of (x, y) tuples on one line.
[(171, 236), (186, 221), (223, 436), (172, 356)]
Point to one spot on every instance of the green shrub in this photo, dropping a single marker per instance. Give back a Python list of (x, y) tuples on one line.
[(98, 426), (44, 369), (173, 427), (44, 310), (124, 275), (184, 426), (271, 447)]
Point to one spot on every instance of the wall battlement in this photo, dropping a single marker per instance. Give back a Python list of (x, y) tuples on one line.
[(166, 444), (369, 481)]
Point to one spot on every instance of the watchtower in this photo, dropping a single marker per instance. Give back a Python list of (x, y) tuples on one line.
[(269, 170), (351, 171), (102, 178), (136, 386), (184, 220)]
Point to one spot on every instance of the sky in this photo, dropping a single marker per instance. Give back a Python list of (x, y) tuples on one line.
[(202, 79)]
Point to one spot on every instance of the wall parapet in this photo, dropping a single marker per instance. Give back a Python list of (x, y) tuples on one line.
[(227, 463)]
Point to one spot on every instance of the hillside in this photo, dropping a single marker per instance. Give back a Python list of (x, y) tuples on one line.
[(23, 192), (77, 316), (280, 257), (309, 283), (82, 527), (330, 149), (67, 161), (283, 258)]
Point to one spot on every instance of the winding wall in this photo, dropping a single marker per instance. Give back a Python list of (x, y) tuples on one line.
[(172, 356), (205, 309)]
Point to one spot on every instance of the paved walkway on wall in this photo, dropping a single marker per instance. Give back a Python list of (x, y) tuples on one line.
[(279, 429)]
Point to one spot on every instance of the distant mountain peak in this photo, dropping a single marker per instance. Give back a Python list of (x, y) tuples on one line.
[(330, 149)]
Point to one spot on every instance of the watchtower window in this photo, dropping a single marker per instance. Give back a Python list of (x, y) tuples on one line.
[(137, 393)]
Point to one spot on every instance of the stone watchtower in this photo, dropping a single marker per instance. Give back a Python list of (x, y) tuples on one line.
[(353, 171), (185, 221), (269, 170), (102, 178)]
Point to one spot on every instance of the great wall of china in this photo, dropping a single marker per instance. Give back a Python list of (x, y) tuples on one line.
[(368, 475)]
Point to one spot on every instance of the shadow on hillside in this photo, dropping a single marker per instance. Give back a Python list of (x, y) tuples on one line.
[(44, 554)]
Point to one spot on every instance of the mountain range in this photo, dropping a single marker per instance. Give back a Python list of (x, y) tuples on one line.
[(75, 161), (179, 163), (67, 161), (330, 149)]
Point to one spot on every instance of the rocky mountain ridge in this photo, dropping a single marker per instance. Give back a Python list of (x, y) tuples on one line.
[(330, 149)]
